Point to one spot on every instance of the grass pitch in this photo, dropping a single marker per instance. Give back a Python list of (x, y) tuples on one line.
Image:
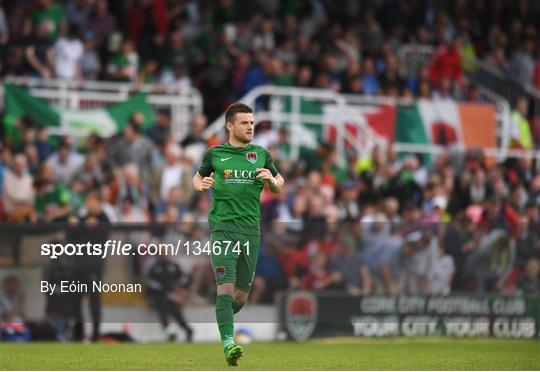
[(332, 354)]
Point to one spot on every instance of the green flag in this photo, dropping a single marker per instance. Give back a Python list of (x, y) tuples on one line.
[(103, 121)]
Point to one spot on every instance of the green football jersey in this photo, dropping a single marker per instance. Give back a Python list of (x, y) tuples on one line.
[(236, 204)]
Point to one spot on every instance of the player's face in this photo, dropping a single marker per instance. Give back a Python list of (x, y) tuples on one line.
[(242, 128)]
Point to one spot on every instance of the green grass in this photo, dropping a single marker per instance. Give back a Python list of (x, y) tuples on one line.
[(332, 354)]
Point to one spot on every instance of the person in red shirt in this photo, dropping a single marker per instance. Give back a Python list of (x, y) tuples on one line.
[(537, 75), (446, 64), (318, 277), (148, 24)]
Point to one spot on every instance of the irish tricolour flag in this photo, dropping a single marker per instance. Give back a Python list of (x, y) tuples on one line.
[(426, 122), (446, 122)]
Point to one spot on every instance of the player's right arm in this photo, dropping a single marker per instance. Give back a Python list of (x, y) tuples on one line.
[(202, 184), (204, 178)]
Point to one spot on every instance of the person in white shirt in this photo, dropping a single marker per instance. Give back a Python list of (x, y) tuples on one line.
[(66, 163), (420, 253), (67, 53), (441, 274), (19, 194), (174, 172), (171, 175)]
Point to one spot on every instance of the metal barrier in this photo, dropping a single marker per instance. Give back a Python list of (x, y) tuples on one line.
[(294, 118), (268, 104), (74, 95)]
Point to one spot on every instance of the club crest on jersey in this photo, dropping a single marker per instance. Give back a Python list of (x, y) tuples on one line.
[(220, 272), (251, 157)]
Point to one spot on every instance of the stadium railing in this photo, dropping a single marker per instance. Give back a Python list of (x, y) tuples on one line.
[(73, 95), (486, 76)]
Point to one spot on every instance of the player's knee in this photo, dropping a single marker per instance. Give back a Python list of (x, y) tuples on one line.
[(237, 306)]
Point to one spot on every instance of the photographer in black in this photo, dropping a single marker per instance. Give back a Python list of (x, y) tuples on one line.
[(164, 289)]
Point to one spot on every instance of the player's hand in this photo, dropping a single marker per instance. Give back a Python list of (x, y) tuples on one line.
[(264, 173), (207, 182)]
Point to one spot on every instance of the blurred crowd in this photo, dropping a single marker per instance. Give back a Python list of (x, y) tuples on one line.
[(225, 47), (385, 223)]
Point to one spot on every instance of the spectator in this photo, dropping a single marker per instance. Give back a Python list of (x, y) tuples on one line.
[(175, 79), (4, 29), (479, 190), (129, 212), (520, 131), (317, 277), (134, 147), (446, 65), (39, 52), (522, 63), (50, 15), (78, 12), (129, 193), (529, 285), (148, 24), (59, 309), (124, 65), (90, 62), (19, 193), (53, 199), (420, 255), (43, 147), (12, 308), (68, 52), (370, 83), (490, 262), (160, 132), (173, 173), (101, 24), (147, 74), (349, 210), (175, 201), (441, 275), (371, 31), (66, 163), (536, 82), (391, 82), (347, 267), (458, 243), (269, 276), (194, 145)]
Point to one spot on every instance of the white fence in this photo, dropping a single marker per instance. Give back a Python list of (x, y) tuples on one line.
[(183, 105)]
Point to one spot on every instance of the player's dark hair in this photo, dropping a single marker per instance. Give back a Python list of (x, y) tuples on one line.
[(236, 108)]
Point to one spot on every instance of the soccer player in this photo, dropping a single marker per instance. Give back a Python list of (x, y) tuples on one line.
[(236, 171)]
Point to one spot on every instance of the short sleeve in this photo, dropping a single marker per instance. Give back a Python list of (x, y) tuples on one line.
[(269, 163), (206, 166)]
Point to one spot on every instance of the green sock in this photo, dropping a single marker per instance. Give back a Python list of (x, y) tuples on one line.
[(224, 317), (237, 306)]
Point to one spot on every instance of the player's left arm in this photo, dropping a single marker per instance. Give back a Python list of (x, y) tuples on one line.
[(270, 174), (275, 183)]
